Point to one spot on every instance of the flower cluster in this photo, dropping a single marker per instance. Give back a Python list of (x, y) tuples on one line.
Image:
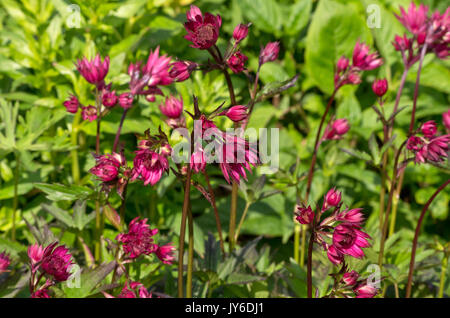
[(4, 262), (429, 147), (349, 284), (112, 170)]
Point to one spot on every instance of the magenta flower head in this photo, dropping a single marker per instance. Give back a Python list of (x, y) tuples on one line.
[(134, 290), (363, 60), (94, 71), (203, 30), (149, 166), (269, 53), (365, 291), (57, 261), (304, 215), (181, 70), (336, 130), (446, 119), (414, 143), (72, 104), (334, 255), (126, 100), (41, 293), (429, 129), (415, 19), (353, 216), (342, 64), (434, 150), (157, 69), (236, 62), (139, 239), (235, 113), (107, 166), (89, 113), (4, 262), (109, 99), (402, 43), (350, 278), (332, 198), (349, 239), (165, 253), (380, 87), (198, 162), (172, 107), (35, 253), (240, 32)]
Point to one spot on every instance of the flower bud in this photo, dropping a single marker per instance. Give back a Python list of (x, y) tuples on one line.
[(380, 87), (89, 113), (240, 32), (332, 198), (109, 99), (235, 113), (429, 129), (342, 64), (72, 104), (350, 278), (304, 215), (172, 107), (126, 100), (269, 53)]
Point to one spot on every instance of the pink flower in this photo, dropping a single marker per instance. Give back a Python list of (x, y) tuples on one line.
[(126, 100), (236, 62), (351, 216), (240, 32), (165, 253), (134, 290), (172, 107), (342, 64), (109, 99), (402, 43), (149, 166), (72, 104), (435, 150), (181, 70), (304, 215), (429, 129), (349, 239), (139, 239), (94, 71), (350, 278), (338, 128), (35, 253), (42, 293), (380, 87), (89, 113), (365, 291), (269, 53), (107, 166), (415, 19), (57, 261), (235, 113), (332, 198), (334, 255), (446, 119), (198, 162), (4, 262), (414, 143), (203, 31), (363, 60)]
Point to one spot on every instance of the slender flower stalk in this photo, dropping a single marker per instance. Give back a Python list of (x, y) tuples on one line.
[(119, 129), (416, 236), (216, 211), (309, 261), (16, 196), (244, 214), (190, 267), (74, 152)]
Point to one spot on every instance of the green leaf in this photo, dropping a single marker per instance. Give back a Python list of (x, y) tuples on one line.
[(59, 214), (298, 17), (59, 192), (276, 87), (264, 14)]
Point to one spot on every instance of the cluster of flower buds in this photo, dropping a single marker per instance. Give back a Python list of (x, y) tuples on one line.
[(172, 108), (52, 261), (361, 61), (336, 129), (139, 241), (4, 262), (433, 31), (349, 284), (428, 146), (340, 233), (131, 290)]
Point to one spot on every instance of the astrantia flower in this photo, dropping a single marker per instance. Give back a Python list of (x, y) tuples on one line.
[(149, 166), (72, 104), (269, 53), (57, 261), (35, 253), (203, 30), (109, 99), (304, 215), (351, 216), (4, 262), (415, 19), (165, 253), (126, 100), (172, 107), (402, 43), (342, 64), (89, 113), (429, 129), (350, 278), (414, 143), (198, 163), (349, 239), (134, 290), (365, 291), (334, 255), (236, 62), (434, 150), (107, 166), (235, 113), (363, 60), (336, 129), (94, 71), (446, 119), (139, 239), (240, 32), (380, 87), (42, 293), (332, 198), (181, 70)]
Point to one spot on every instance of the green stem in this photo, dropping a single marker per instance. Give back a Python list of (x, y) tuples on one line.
[(297, 230), (74, 152), (16, 197), (216, 211), (395, 201), (444, 266), (98, 224), (190, 266), (303, 245), (244, 214)]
